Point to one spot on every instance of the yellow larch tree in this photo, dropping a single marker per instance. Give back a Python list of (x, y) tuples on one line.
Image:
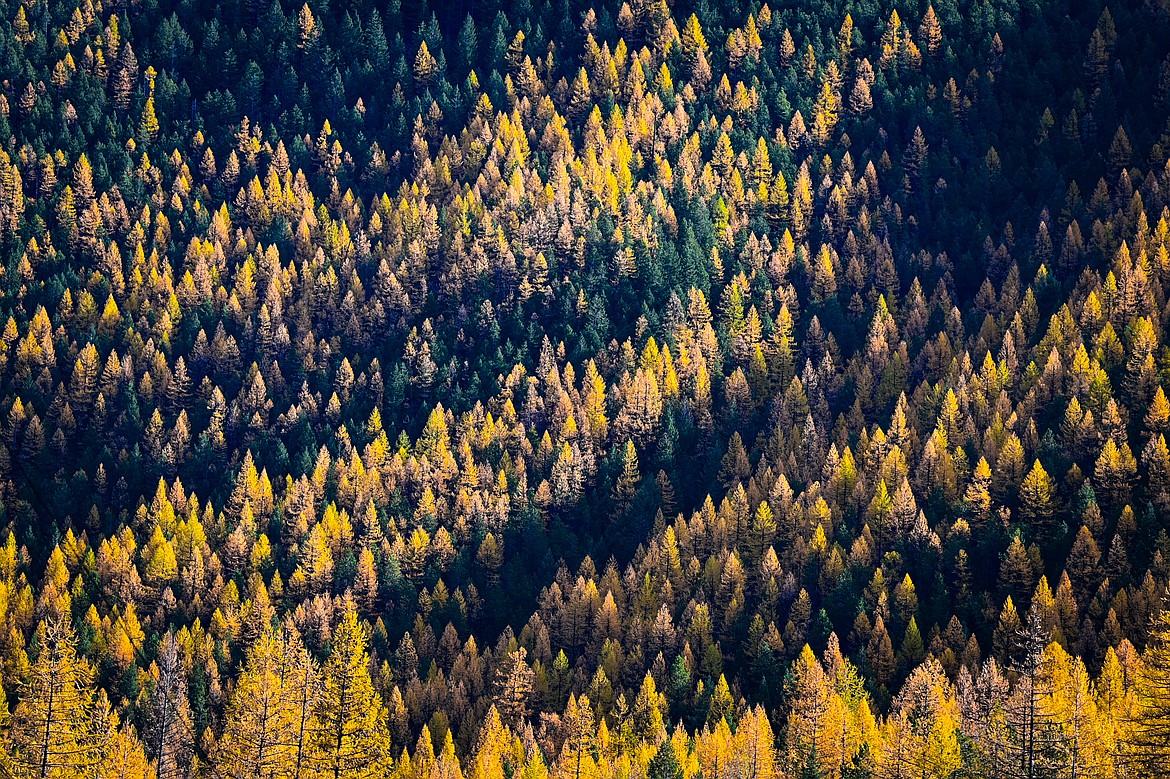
[(348, 738)]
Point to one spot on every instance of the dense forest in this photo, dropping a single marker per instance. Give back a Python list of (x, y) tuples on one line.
[(647, 389)]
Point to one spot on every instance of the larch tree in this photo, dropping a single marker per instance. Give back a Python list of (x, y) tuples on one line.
[(1086, 745), (920, 738), (513, 688), (1147, 748), (300, 684), (1036, 500), (580, 739), (54, 733), (816, 714), (1033, 736), (123, 756), (168, 729), (348, 738), (259, 726)]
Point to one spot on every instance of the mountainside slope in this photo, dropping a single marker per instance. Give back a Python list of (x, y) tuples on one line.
[(623, 391)]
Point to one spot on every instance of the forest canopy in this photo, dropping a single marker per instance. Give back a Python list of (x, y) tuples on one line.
[(555, 389)]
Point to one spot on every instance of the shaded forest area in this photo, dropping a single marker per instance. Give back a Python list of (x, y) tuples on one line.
[(532, 389)]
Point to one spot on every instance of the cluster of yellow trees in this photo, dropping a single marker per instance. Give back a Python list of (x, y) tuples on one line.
[(286, 717), (289, 717)]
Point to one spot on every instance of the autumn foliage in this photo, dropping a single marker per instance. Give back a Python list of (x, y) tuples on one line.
[(641, 389)]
